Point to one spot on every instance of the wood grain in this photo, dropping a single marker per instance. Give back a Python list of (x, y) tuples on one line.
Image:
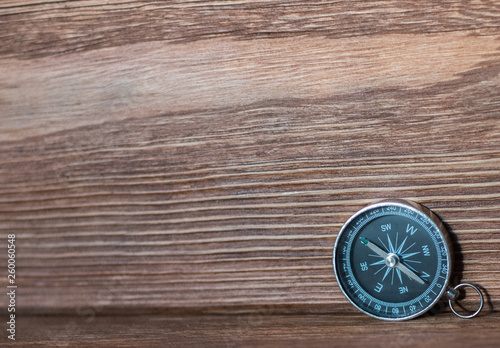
[(200, 157), (224, 76), (75, 26), (258, 330)]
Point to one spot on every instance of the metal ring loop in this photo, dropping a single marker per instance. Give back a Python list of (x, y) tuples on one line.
[(463, 285)]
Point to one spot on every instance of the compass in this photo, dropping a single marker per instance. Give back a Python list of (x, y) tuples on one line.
[(392, 261)]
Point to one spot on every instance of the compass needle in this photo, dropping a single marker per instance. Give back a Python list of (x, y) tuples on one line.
[(373, 247), (386, 248), (413, 269), (409, 273)]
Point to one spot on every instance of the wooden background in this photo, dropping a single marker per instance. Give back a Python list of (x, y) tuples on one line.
[(199, 157)]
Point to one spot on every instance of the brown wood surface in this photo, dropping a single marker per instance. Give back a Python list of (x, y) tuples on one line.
[(352, 330), (201, 156)]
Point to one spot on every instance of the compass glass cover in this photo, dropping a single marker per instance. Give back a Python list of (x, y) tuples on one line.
[(392, 261)]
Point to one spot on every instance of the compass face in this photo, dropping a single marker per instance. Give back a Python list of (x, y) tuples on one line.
[(392, 260)]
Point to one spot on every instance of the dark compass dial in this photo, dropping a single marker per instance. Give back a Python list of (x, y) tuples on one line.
[(392, 260)]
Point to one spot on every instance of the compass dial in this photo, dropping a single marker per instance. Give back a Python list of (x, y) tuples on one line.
[(392, 260)]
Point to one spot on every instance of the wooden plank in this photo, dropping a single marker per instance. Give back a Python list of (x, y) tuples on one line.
[(160, 163), (257, 330), (227, 76), (76, 26)]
